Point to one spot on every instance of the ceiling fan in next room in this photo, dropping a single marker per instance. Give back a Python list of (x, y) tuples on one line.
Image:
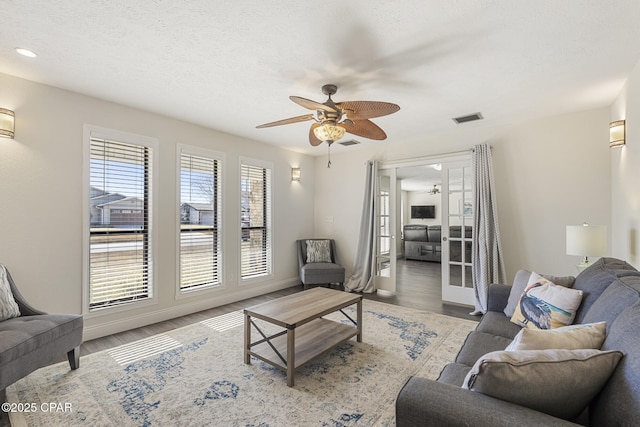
[(333, 119)]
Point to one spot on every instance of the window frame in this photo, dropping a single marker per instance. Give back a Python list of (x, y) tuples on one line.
[(268, 274), (95, 132), (220, 158)]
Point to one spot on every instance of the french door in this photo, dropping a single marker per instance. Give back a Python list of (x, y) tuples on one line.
[(456, 213), (385, 231), (457, 221)]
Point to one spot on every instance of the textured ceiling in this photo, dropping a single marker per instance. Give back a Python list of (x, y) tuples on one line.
[(232, 65)]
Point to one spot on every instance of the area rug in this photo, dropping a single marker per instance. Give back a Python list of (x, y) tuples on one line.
[(195, 376)]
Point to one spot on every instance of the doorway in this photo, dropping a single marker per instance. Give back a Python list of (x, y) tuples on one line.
[(433, 207)]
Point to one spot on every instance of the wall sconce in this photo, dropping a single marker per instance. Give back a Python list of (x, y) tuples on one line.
[(295, 174), (6, 123), (586, 240), (616, 134)]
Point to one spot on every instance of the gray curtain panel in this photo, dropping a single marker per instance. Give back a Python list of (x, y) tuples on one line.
[(486, 255), (361, 279)]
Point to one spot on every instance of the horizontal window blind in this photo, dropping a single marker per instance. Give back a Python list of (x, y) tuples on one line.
[(200, 245), (255, 219), (120, 220)]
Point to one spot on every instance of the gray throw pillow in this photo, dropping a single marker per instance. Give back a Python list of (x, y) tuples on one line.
[(520, 283), (557, 382), (318, 251), (8, 306)]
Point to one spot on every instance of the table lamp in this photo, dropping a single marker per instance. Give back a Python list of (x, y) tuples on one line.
[(586, 240)]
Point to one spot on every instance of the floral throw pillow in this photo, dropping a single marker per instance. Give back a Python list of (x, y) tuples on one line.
[(545, 305), (318, 251)]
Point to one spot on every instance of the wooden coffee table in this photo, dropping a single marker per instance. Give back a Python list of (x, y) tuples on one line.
[(307, 334)]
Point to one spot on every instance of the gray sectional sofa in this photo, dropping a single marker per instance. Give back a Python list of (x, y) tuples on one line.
[(424, 242), (611, 293)]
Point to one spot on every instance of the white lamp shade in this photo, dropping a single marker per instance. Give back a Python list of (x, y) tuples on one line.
[(6, 123), (616, 133), (587, 240)]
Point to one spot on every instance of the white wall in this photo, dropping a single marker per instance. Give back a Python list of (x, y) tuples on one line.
[(423, 198), (41, 203), (550, 172), (625, 165)]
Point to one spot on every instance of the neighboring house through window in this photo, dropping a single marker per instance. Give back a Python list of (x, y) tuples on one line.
[(119, 219), (255, 219), (200, 184)]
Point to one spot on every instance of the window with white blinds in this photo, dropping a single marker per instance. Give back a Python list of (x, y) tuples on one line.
[(200, 213), (255, 219), (120, 255)]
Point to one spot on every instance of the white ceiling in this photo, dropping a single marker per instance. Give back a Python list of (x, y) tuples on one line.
[(232, 65)]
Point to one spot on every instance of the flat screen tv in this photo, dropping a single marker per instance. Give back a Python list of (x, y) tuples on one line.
[(423, 211)]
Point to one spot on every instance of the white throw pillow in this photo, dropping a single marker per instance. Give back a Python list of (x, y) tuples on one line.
[(557, 382), (544, 305), (8, 306), (573, 337)]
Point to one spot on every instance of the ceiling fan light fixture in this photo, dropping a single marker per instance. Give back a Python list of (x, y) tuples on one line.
[(329, 132)]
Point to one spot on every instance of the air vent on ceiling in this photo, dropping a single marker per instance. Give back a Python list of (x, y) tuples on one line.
[(349, 142), (469, 118)]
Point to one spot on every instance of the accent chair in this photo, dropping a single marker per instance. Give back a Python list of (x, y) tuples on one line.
[(318, 263)]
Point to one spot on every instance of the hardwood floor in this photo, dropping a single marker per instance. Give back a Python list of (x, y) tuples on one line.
[(417, 286)]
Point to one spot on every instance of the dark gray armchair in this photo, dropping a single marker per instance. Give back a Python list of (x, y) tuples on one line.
[(34, 340), (319, 273)]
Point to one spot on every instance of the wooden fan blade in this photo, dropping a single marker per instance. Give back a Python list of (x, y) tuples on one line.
[(313, 139), (287, 121), (311, 105), (365, 129), (361, 110)]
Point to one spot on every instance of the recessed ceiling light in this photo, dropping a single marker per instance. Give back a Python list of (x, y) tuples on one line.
[(26, 52)]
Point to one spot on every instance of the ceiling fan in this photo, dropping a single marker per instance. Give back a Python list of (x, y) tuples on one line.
[(434, 190), (333, 119)]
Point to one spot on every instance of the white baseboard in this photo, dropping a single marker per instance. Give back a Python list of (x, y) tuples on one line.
[(137, 321)]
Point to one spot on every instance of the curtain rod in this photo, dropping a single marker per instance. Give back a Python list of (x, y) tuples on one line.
[(431, 157), (426, 158)]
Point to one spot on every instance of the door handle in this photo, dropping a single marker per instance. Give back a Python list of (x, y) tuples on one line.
[(444, 238)]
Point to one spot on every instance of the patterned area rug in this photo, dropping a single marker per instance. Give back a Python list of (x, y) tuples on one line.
[(195, 376)]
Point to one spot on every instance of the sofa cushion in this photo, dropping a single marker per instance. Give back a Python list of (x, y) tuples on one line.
[(619, 402), (321, 273), (596, 278), (619, 295), (434, 233), (496, 323), (415, 232), (557, 382), (25, 334), (520, 282), (454, 374), (318, 251), (8, 306), (573, 337), (478, 344), (545, 305)]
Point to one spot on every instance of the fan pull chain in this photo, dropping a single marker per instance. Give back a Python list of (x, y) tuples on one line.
[(329, 163)]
